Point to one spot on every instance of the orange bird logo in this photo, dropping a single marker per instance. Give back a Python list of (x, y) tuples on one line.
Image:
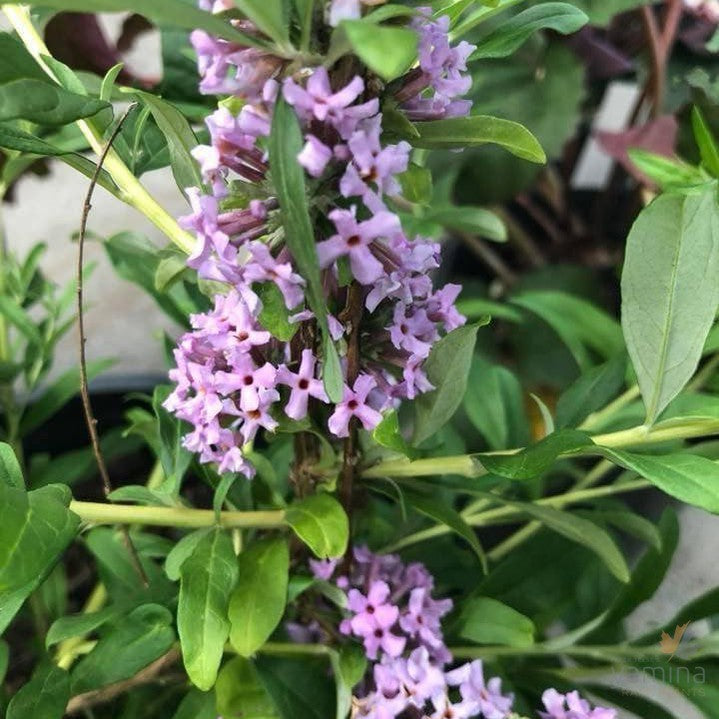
[(669, 645)]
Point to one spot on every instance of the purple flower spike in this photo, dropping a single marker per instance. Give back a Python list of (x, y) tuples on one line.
[(571, 706), (355, 239), (314, 156), (373, 619), (487, 699), (354, 404), (303, 384)]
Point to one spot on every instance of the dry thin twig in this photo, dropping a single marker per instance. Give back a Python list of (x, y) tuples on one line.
[(84, 392), (149, 674)]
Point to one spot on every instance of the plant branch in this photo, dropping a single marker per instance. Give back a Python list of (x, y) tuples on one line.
[(131, 190), (500, 515), (150, 674), (101, 513), (352, 314), (468, 465), (84, 391)]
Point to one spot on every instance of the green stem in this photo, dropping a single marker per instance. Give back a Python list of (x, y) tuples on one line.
[(8, 403), (505, 514), (131, 190), (100, 513), (597, 419), (289, 649), (603, 653), (468, 465)]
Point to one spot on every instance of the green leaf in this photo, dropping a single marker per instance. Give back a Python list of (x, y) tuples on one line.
[(208, 577), (512, 34), (13, 138), (447, 368), (174, 13), (45, 696), (130, 645), (321, 523), (299, 688), (197, 705), (459, 132), (388, 51), (274, 316), (446, 515), (628, 522), (175, 459), (632, 701), (463, 218), (58, 394), (687, 477), (349, 665), (289, 180), (35, 528), (16, 62), (240, 693), (416, 182), (706, 142), (268, 16), (579, 323), (15, 315), (484, 620), (581, 531), (494, 403), (667, 173), (10, 471), (136, 259), (538, 458), (181, 551), (649, 572), (669, 296), (78, 625), (258, 603), (387, 434), (46, 104), (590, 392), (180, 140)]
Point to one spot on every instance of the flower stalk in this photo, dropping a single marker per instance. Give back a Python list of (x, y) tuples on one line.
[(131, 190)]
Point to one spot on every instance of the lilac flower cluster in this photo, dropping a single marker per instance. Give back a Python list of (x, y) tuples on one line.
[(229, 368), (390, 609)]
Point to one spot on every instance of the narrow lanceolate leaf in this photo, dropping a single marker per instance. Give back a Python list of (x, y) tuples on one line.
[(511, 35), (45, 696), (208, 577), (581, 531), (458, 132), (446, 515), (591, 391), (258, 603), (321, 523), (688, 477), (537, 458), (289, 180), (389, 51), (180, 140), (268, 16), (35, 528), (447, 368), (486, 621), (670, 293), (44, 103), (706, 141)]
